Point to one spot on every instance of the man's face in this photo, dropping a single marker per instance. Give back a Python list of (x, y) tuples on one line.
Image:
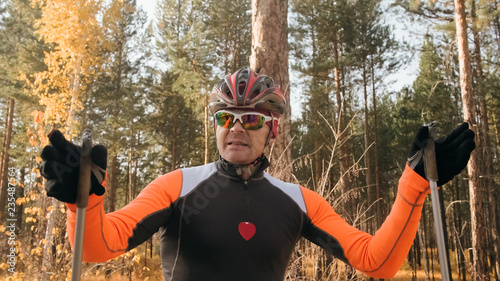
[(240, 146)]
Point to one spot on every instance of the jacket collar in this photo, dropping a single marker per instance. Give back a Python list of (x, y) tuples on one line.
[(231, 169)]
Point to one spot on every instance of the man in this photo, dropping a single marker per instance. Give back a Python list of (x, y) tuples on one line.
[(230, 220)]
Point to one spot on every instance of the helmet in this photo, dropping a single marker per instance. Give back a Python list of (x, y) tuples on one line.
[(247, 89)]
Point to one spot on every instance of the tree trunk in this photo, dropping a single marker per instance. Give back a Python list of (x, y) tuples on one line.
[(423, 252), (497, 28), (368, 161), (5, 157), (112, 184), (445, 229), (484, 148), (479, 231), (20, 194), (75, 92), (459, 246), (378, 194), (344, 160), (207, 128), (130, 168), (270, 56), (54, 216), (2, 148), (342, 133)]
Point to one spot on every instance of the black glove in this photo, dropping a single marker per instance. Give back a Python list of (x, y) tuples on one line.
[(452, 152), (61, 166)]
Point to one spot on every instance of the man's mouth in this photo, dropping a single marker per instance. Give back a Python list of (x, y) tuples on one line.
[(237, 143)]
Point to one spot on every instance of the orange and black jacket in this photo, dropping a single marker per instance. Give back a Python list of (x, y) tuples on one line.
[(216, 226)]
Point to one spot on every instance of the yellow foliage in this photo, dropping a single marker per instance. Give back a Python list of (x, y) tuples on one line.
[(75, 29), (4, 266), (38, 117), (34, 211), (37, 251), (32, 141), (56, 231), (20, 200), (30, 219), (59, 249)]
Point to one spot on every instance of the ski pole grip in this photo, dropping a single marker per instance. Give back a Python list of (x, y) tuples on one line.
[(82, 196), (430, 165)]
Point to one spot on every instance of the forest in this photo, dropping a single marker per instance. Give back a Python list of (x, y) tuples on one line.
[(141, 83)]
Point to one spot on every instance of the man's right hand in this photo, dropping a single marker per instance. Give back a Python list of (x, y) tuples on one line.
[(61, 164)]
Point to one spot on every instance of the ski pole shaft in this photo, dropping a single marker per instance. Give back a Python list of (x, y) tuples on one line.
[(82, 200), (432, 175)]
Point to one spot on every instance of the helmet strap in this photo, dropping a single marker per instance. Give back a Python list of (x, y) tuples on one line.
[(270, 134)]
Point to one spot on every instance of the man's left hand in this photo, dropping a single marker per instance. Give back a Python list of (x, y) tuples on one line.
[(452, 152)]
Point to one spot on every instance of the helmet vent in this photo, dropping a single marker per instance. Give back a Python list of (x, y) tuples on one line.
[(225, 90), (241, 88)]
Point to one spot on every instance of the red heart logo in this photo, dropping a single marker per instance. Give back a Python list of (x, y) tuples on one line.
[(247, 230)]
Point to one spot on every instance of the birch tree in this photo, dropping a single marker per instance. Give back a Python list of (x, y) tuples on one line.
[(73, 29)]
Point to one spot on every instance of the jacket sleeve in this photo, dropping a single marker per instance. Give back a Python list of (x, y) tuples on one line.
[(110, 235), (381, 255)]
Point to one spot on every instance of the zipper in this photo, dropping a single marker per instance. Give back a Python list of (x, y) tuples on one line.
[(247, 199)]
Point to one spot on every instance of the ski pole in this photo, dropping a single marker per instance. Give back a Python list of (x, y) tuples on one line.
[(82, 201), (432, 175)]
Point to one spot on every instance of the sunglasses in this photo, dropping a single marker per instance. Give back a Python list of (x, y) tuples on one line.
[(248, 120)]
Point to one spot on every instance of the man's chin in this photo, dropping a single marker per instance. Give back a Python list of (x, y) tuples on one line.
[(238, 159)]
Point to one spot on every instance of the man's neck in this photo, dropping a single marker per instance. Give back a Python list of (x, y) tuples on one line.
[(246, 172)]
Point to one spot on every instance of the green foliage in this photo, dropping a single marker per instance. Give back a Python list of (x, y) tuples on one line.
[(431, 90), (228, 29)]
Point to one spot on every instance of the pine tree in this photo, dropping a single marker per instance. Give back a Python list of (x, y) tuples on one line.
[(432, 91), (270, 57), (185, 46), (228, 25), (480, 263)]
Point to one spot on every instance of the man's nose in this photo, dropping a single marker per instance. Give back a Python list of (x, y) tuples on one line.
[(237, 127)]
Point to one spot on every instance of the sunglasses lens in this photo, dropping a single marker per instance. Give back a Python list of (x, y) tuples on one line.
[(252, 121), (225, 119), (248, 121)]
